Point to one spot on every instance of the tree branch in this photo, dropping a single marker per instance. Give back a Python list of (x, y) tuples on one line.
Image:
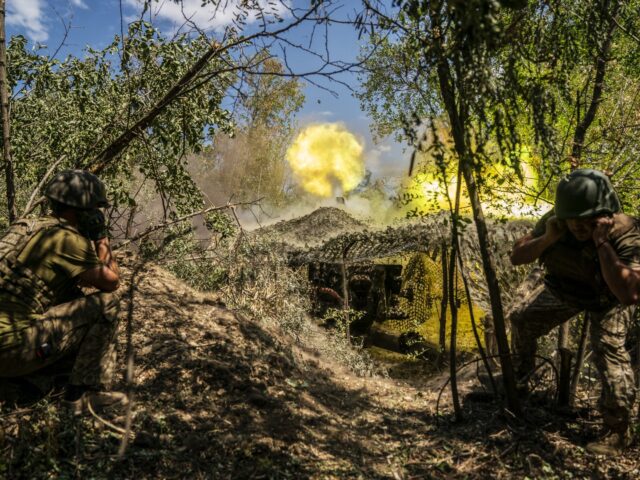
[(31, 204), (104, 158), (155, 228)]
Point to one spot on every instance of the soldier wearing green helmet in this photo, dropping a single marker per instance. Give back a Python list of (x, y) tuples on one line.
[(44, 316), (590, 252)]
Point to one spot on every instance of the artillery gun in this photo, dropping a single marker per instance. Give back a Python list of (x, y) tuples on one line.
[(393, 276)]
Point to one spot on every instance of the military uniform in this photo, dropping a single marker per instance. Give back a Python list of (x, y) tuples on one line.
[(43, 314), (573, 283)]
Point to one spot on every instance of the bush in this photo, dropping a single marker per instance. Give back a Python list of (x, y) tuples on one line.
[(252, 276)]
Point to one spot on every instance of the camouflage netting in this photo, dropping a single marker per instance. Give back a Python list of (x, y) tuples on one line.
[(420, 299), (422, 302), (429, 236), (330, 236), (313, 229)]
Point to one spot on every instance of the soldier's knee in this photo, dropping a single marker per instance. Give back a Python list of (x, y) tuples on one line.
[(610, 350), (618, 401), (107, 298), (109, 305)]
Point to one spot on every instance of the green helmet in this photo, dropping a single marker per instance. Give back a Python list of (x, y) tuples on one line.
[(585, 193), (78, 189)]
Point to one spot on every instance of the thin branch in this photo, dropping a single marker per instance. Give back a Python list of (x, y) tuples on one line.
[(106, 423), (31, 204), (624, 30), (155, 228), (67, 28)]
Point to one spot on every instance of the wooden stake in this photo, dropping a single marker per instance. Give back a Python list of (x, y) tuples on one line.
[(582, 349)]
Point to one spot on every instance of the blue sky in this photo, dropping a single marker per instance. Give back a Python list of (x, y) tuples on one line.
[(95, 22)]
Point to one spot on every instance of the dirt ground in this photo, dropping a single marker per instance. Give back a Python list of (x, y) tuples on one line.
[(216, 395)]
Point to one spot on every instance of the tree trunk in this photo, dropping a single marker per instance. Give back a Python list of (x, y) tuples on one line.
[(6, 125), (579, 136), (564, 389), (453, 306), (602, 60), (345, 297), (494, 291), (443, 303), (582, 349), (453, 300), (564, 364), (458, 118), (345, 290)]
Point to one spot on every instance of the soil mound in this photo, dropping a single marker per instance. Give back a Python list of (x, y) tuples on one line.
[(314, 228), (215, 395)]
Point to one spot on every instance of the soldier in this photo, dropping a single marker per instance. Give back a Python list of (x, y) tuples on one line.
[(44, 316), (591, 255)]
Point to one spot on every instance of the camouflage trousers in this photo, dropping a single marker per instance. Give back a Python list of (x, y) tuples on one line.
[(539, 311), (84, 329)]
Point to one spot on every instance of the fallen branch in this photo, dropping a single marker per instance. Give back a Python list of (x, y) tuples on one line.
[(180, 88), (32, 203), (108, 154), (106, 423)]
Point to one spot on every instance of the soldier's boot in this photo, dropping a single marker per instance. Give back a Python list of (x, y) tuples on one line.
[(613, 443), (81, 400)]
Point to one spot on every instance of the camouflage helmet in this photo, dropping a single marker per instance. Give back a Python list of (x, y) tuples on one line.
[(78, 189), (585, 193)]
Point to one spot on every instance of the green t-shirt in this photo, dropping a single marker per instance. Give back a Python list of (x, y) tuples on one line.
[(57, 256)]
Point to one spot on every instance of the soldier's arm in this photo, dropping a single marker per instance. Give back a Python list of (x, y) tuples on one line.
[(530, 247), (623, 281), (107, 276)]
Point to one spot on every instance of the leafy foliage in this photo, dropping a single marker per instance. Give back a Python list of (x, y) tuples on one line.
[(251, 164), (72, 109), (525, 76)]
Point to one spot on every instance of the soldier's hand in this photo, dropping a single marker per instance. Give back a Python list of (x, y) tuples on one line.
[(601, 229), (93, 224), (555, 228)]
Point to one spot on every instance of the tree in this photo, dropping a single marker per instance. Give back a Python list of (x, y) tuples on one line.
[(6, 125), (501, 78), (252, 162), (146, 102), (450, 45), (71, 110)]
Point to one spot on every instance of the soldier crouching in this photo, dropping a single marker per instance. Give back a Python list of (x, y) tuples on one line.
[(44, 316), (590, 251)]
